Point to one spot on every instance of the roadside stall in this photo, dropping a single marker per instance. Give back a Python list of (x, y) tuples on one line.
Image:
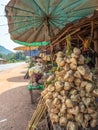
[(69, 95)]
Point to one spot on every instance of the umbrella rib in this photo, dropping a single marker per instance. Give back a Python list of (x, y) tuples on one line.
[(19, 9), (39, 7), (55, 7), (55, 25), (64, 7), (17, 22), (81, 9), (17, 15), (40, 27), (18, 28)]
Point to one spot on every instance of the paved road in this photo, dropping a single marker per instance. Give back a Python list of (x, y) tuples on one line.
[(10, 65)]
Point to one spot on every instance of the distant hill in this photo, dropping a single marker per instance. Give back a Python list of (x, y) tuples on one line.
[(5, 51)]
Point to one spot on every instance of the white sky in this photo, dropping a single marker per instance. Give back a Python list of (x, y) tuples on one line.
[(4, 35)]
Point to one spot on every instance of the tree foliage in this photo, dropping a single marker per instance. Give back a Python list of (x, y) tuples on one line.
[(14, 57)]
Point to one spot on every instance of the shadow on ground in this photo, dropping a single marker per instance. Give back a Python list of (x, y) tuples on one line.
[(17, 79), (16, 108)]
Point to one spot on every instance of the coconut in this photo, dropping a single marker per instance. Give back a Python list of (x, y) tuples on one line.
[(72, 125), (73, 66), (69, 103), (81, 60), (93, 123), (74, 56), (77, 74), (67, 86), (79, 118), (76, 51), (95, 92), (63, 121), (81, 70), (54, 118), (89, 87), (50, 78), (58, 85), (74, 110)]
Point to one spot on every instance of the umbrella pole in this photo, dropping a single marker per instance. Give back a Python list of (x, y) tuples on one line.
[(51, 47)]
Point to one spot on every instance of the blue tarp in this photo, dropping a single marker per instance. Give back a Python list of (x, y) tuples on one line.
[(32, 53)]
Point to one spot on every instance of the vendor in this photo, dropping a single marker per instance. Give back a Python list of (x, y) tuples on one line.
[(36, 72)]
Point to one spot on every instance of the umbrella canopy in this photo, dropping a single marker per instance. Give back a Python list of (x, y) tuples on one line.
[(26, 48), (40, 20)]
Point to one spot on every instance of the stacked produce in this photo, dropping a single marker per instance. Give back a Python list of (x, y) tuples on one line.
[(71, 95)]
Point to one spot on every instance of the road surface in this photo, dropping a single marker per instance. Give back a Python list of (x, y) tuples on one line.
[(10, 65), (12, 76)]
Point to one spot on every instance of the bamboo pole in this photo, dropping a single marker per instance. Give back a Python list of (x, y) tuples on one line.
[(96, 46)]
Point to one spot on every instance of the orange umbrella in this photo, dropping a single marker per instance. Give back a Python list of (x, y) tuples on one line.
[(26, 48)]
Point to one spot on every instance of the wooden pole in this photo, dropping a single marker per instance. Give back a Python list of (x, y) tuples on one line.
[(96, 46)]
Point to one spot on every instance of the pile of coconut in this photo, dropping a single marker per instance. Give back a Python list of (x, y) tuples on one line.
[(71, 95)]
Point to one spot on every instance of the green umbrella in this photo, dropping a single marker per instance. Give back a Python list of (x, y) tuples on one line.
[(40, 20)]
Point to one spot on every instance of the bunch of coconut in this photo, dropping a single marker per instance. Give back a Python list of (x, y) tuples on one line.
[(71, 94)]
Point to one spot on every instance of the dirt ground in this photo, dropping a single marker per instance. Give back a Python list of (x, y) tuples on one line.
[(15, 104)]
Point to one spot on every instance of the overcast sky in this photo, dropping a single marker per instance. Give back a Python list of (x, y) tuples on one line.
[(4, 35)]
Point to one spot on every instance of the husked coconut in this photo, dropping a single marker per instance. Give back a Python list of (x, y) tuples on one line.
[(66, 67), (54, 118), (79, 118), (73, 60), (60, 54), (76, 51), (62, 92), (93, 123), (89, 87), (81, 60), (48, 103), (50, 78), (58, 85), (77, 75), (55, 94), (72, 125), (83, 84), (90, 110), (95, 92), (82, 107), (86, 101), (94, 115), (87, 117), (85, 124), (77, 82), (73, 92), (82, 93), (56, 101), (81, 70), (75, 98), (74, 56), (88, 76), (51, 88), (67, 86), (69, 116), (73, 66), (69, 103), (43, 93), (54, 110), (48, 95), (61, 63), (63, 121), (74, 110)]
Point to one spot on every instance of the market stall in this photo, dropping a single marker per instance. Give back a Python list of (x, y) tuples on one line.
[(70, 93)]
